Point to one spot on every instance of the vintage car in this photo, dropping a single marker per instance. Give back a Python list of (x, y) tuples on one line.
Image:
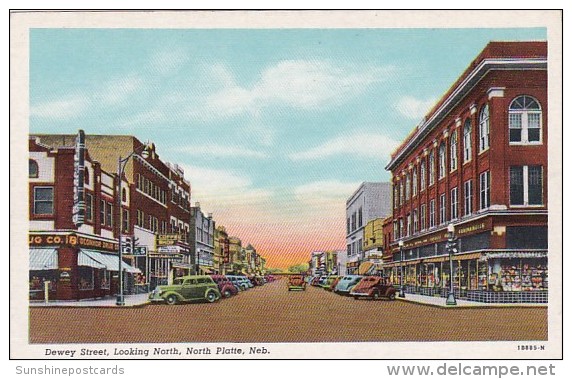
[(187, 288), (327, 282), (246, 281), (346, 284), (257, 280), (296, 282), (316, 280), (225, 286), (238, 282), (373, 287), (334, 283)]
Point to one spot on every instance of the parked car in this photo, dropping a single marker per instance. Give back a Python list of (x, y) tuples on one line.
[(187, 288), (316, 280), (327, 282), (238, 282), (334, 283), (225, 286), (373, 287), (346, 284), (257, 280), (296, 282), (243, 279)]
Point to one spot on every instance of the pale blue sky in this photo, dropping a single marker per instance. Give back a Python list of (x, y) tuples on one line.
[(256, 117)]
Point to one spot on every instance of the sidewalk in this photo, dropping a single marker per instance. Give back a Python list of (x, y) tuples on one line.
[(107, 302), (440, 302)]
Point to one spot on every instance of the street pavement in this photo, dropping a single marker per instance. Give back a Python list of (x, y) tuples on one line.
[(273, 314)]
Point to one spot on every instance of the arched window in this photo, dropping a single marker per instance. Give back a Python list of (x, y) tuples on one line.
[(123, 194), (86, 175), (32, 168), (442, 160), (453, 152), (484, 129), (422, 175), (467, 146), (524, 120), (414, 178)]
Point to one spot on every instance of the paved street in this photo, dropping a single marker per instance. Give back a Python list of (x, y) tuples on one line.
[(272, 314)]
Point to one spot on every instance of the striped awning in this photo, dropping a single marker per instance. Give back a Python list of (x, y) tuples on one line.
[(365, 268), (517, 254), (43, 259), (107, 261)]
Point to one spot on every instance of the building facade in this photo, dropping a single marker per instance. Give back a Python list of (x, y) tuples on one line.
[(222, 263), (477, 161), (202, 240), (370, 201)]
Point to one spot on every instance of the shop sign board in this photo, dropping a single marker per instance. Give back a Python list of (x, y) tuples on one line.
[(140, 251), (470, 228), (71, 239), (78, 210), (169, 249), (167, 239)]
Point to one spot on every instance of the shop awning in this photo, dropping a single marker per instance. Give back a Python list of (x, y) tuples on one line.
[(465, 257), (436, 259), (182, 265), (365, 267), (43, 259), (109, 261), (517, 254), (84, 259)]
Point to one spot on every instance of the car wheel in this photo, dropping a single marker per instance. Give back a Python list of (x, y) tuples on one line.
[(391, 296), (356, 297), (227, 293), (375, 296), (171, 299), (211, 296)]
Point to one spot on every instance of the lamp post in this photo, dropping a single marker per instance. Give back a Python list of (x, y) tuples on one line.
[(401, 292), (451, 249), (121, 163)]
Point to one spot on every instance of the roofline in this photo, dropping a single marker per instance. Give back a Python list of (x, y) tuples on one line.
[(458, 94)]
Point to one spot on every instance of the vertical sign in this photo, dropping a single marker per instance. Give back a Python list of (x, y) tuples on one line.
[(78, 180)]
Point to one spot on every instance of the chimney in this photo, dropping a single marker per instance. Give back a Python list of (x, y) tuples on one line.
[(197, 205)]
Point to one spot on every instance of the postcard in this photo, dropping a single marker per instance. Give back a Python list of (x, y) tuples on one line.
[(286, 184)]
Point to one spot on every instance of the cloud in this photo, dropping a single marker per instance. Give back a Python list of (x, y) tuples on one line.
[(221, 151), (116, 91), (325, 191), (414, 108), (299, 84), (60, 109), (362, 145)]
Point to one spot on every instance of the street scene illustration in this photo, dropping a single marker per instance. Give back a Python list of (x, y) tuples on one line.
[(288, 185)]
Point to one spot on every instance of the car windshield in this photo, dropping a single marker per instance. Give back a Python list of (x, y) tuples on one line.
[(178, 281)]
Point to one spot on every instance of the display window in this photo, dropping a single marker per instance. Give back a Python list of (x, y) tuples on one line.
[(104, 279), (86, 278), (38, 278)]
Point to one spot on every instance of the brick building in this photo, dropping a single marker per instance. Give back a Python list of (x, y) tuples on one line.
[(155, 203), (477, 161)]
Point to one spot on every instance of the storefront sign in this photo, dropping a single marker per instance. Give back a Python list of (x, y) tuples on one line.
[(71, 239), (140, 251), (167, 239), (170, 249), (442, 235), (470, 228), (78, 210)]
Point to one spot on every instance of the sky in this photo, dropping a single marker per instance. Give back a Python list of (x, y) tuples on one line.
[(275, 128)]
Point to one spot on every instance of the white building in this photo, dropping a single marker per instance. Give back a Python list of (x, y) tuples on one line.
[(370, 201), (202, 240)]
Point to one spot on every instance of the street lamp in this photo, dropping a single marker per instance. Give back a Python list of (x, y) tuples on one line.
[(451, 249), (401, 292), (121, 163)]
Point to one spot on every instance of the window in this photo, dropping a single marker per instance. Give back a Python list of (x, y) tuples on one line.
[(102, 212), (109, 215), (467, 146), (468, 192), (422, 178), (140, 218), (414, 181), (408, 231), (423, 215), (89, 207), (415, 221), (524, 120), (485, 189), (125, 220), (442, 160), (407, 186), (32, 168), (432, 167), (454, 203), (349, 250), (348, 225), (401, 192), (123, 195), (442, 208), (526, 185), (163, 227), (484, 128), (432, 213), (453, 151), (395, 196), (395, 230), (86, 176), (401, 233), (360, 217), (354, 223), (43, 200)]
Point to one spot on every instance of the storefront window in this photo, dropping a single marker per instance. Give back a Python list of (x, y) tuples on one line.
[(85, 278), (38, 278), (105, 279)]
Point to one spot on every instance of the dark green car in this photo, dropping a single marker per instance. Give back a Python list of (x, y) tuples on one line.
[(187, 288)]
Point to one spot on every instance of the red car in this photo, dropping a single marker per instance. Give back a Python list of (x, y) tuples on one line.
[(373, 287), (225, 286)]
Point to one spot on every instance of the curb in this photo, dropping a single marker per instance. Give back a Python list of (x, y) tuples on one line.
[(476, 306)]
